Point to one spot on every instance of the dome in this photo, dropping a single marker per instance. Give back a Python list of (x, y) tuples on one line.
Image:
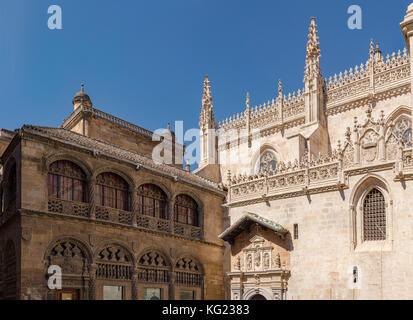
[(82, 98), (168, 132)]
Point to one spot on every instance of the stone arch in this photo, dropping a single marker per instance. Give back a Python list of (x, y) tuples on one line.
[(10, 271), (161, 252), (250, 293), (154, 266), (399, 112), (188, 258), (119, 172), (50, 159), (82, 244), (157, 183), (114, 261), (120, 244), (193, 196), (360, 191), (188, 272), (10, 186)]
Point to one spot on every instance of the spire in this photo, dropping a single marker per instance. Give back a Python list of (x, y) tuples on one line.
[(207, 113), (247, 102), (371, 48), (312, 67), (280, 88)]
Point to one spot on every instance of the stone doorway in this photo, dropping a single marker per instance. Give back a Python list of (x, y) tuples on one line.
[(68, 294)]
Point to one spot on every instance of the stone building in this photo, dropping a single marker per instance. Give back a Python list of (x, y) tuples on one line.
[(319, 182), (88, 198), (306, 196)]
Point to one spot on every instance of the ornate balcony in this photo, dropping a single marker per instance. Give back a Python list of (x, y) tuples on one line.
[(68, 208), (113, 215), (76, 209), (187, 231), (151, 223)]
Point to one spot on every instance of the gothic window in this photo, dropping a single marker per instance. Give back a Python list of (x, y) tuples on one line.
[(188, 273), (114, 263), (10, 271), (152, 201), (67, 181), (374, 216), (403, 130), (153, 268), (267, 162), (186, 210), (112, 191)]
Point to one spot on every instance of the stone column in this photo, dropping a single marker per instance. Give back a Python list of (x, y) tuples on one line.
[(134, 206), (135, 284), (92, 200), (92, 281), (170, 209), (171, 287)]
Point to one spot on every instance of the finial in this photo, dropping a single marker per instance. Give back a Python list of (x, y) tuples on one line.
[(369, 111), (82, 87), (169, 126), (348, 134), (247, 102), (371, 47), (280, 88)]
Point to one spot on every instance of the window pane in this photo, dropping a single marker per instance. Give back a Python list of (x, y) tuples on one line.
[(374, 216), (112, 293), (187, 295), (152, 294)]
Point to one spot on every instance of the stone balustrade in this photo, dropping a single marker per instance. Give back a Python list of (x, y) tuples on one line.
[(76, 209)]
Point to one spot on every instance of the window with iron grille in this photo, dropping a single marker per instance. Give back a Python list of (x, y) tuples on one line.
[(112, 191), (67, 181), (186, 210), (152, 201), (374, 216)]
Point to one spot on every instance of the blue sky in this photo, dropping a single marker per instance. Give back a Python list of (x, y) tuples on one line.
[(144, 61)]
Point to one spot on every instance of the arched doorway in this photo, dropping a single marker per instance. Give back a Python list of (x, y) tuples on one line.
[(258, 297)]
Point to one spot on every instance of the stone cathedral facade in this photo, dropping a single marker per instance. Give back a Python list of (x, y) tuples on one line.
[(319, 182), (306, 196)]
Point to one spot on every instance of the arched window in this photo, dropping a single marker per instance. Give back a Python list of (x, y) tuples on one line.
[(67, 181), (152, 201), (10, 272), (403, 130), (374, 216), (112, 191), (10, 193), (267, 162), (186, 210), (188, 273), (153, 268), (114, 263)]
